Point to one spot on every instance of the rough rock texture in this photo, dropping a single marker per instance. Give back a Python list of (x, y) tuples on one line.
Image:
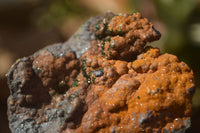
[(41, 78), (104, 79)]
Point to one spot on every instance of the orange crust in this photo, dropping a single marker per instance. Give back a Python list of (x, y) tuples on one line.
[(128, 92)]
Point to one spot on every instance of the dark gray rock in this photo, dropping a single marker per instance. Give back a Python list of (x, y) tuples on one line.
[(146, 117), (27, 94)]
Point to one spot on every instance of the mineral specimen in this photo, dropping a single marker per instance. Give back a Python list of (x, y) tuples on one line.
[(104, 79)]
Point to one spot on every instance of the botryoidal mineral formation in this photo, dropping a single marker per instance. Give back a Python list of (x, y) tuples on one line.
[(104, 79)]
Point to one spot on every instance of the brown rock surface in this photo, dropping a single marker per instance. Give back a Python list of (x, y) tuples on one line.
[(117, 85)]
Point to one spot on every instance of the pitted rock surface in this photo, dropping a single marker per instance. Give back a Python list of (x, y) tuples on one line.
[(104, 79)]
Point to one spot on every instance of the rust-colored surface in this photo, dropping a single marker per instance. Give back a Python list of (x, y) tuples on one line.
[(117, 85), (150, 94), (65, 69), (123, 37)]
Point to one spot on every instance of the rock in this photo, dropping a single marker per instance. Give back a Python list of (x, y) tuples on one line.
[(32, 79), (98, 73), (104, 79)]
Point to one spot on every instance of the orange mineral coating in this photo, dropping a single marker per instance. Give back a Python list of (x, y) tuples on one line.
[(152, 93), (65, 69), (133, 96), (124, 36)]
